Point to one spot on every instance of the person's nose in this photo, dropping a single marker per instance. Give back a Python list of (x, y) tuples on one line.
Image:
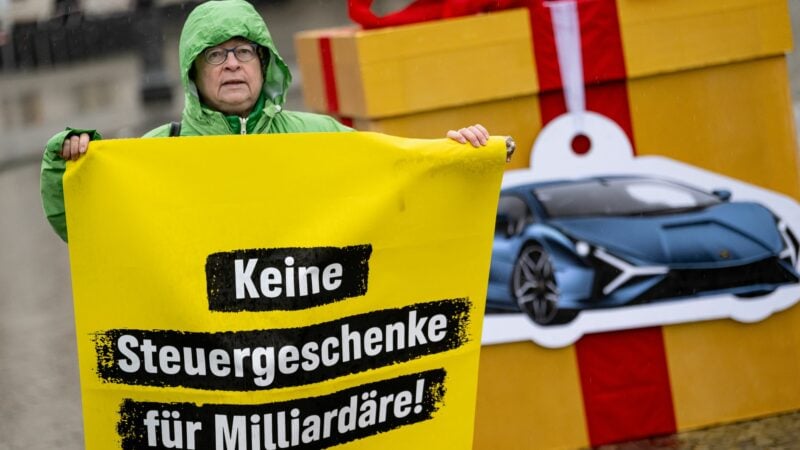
[(231, 62)]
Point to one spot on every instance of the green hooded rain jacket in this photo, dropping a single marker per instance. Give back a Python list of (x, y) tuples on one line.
[(209, 24)]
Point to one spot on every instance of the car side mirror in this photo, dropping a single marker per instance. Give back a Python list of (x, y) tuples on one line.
[(722, 194)]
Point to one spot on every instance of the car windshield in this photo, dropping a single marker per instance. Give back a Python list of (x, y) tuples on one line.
[(620, 197)]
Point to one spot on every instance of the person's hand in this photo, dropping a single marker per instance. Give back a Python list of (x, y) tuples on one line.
[(475, 135), (75, 146)]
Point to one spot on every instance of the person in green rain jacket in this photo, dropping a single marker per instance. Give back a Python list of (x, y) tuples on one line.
[(234, 82)]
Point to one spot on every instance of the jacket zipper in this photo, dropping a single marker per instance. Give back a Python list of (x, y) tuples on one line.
[(243, 122)]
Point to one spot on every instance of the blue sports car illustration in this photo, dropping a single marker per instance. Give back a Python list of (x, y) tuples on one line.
[(562, 247)]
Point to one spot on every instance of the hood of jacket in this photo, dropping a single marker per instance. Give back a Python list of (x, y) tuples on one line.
[(213, 23)]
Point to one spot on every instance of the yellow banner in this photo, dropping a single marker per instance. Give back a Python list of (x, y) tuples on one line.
[(282, 291)]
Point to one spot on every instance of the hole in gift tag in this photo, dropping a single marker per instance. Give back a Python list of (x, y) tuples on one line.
[(581, 144), (570, 146)]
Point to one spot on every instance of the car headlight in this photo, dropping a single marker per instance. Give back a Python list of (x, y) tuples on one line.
[(604, 273), (583, 249)]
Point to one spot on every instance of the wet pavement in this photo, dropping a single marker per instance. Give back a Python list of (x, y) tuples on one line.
[(39, 387), (781, 432)]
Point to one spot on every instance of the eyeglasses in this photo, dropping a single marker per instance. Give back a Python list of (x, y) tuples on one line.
[(218, 55)]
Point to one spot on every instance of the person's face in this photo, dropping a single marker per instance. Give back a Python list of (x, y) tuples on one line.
[(231, 87)]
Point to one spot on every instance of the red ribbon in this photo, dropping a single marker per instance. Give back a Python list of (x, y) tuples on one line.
[(425, 10)]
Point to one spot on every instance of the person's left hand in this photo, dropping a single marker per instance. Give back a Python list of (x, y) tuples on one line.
[(475, 135)]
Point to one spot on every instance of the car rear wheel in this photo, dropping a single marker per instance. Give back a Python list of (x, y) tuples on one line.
[(535, 288)]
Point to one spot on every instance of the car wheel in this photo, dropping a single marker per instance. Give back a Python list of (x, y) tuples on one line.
[(535, 288)]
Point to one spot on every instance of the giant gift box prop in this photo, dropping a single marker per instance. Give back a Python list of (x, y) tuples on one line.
[(500, 70), (303, 291), (701, 82), (421, 79)]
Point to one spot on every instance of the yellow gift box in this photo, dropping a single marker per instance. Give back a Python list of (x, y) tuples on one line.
[(706, 84), (421, 67), (423, 79)]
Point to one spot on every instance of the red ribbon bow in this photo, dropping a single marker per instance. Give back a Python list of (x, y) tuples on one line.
[(426, 10)]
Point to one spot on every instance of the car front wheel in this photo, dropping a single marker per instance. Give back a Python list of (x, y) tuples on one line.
[(535, 288)]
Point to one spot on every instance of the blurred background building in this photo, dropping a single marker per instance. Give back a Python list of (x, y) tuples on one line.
[(95, 64)]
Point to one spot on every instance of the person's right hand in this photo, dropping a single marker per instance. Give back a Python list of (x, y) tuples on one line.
[(75, 146)]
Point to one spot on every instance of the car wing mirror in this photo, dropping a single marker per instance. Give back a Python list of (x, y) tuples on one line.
[(722, 194)]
